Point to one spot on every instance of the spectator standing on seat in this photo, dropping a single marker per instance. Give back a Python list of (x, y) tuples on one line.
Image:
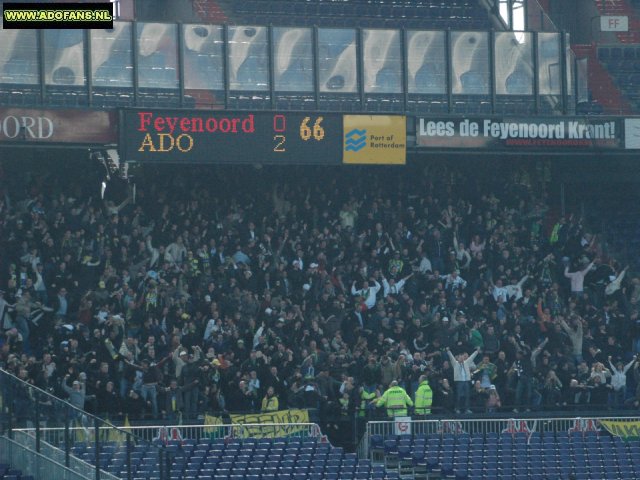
[(462, 378), (577, 278), (619, 381)]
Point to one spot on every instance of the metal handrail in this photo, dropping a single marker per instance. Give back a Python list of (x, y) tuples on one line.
[(150, 433), (479, 426), (34, 463), (64, 403)]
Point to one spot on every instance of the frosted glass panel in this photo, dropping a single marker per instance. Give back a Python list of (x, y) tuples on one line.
[(158, 55), (549, 71), (426, 62), (64, 57), (203, 57), (337, 60), (248, 58), (18, 56), (111, 58), (292, 59), (470, 63), (382, 61), (514, 63)]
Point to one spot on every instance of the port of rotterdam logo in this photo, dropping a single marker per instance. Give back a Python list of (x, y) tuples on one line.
[(355, 140)]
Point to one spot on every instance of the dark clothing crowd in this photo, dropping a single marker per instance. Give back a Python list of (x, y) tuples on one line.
[(244, 290)]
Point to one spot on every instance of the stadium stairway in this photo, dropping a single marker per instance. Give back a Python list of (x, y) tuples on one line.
[(621, 7), (210, 11), (603, 88)]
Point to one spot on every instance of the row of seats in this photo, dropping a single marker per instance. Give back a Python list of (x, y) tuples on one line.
[(257, 459), (421, 15), (102, 97), (559, 455), (623, 63), (451, 10)]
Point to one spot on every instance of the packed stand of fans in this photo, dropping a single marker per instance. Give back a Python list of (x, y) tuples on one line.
[(240, 290)]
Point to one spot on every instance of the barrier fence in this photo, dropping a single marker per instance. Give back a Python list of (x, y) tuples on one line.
[(36, 464), (163, 434), (29, 416), (527, 426)]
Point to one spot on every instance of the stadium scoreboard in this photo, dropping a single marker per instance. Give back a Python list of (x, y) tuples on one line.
[(188, 136)]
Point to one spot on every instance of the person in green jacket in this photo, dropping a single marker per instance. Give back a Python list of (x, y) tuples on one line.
[(396, 400), (424, 397)]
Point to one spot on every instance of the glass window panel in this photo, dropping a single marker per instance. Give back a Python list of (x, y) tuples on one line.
[(549, 79), (570, 57), (248, 58), (64, 57), (582, 74), (382, 61), (157, 55), (292, 59), (470, 63), (203, 57), (111, 56), (18, 56), (337, 60), (426, 62), (504, 11), (514, 63)]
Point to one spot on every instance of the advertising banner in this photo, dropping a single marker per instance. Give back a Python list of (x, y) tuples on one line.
[(626, 429), (32, 125), (375, 139), (513, 134)]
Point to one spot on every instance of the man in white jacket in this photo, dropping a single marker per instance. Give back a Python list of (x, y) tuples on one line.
[(367, 292), (462, 378), (619, 381), (392, 287)]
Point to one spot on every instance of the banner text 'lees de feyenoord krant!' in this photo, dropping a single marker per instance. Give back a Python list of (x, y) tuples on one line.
[(57, 15), (512, 133)]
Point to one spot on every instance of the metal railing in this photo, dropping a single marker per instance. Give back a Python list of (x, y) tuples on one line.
[(166, 433), (28, 413), (458, 426), (36, 464), (27, 439)]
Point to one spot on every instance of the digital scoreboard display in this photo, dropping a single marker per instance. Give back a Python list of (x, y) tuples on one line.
[(181, 136)]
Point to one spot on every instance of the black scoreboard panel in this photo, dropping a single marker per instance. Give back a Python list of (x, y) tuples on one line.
[(187, 136)]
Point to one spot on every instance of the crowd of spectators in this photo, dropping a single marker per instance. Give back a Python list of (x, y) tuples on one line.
[(242, 290)]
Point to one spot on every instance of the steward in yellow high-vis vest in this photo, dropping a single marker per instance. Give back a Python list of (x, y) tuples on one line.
[(424, 397), (396, 400), (366, 398)]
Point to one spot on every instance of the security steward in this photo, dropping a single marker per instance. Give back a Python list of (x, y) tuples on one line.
[(366, 397), (396, 400), (424, 397)]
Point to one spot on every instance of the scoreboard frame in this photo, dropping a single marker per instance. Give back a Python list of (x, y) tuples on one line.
[(230, 137)]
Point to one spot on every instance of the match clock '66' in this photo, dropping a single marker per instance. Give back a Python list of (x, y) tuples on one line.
[(183, 136)]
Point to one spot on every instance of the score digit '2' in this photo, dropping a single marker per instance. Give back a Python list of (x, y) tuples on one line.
[(307, 132)]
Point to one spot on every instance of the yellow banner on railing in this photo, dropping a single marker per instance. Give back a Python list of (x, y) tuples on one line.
[(627, 429), (262, 425), (213, 421)]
